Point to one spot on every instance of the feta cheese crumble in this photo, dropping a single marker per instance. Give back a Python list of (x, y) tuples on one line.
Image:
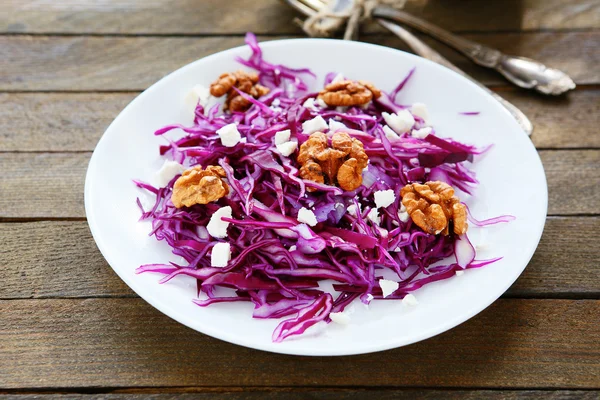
[(373, 215), (340, 318), (410, 300), (310, 104), (401, 122), (321, 103), (216, 227), (388, 287), (287, 148), (389, 133), (307, 216), (403, 214), (220, 255), (282, 136), (384, 198), (421, 133), (314, 125), (229, 134), (336, 126), (420, 110), (292, 248), (198, 94), (168, 171), (352, 209), (276, 102)]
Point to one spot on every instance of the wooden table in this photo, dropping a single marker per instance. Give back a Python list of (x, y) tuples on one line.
[(69, 325)]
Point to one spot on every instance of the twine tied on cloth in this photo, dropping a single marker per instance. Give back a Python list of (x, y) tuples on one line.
[(326, 21)]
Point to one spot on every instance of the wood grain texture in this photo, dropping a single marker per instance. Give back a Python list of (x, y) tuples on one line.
[(34, 63), (126, 342), (75, 121), (269, 16), (57, 121), (333, 394), (51, 259), (54, 183)]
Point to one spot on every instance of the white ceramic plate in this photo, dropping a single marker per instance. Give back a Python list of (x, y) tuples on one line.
[(511, 175)]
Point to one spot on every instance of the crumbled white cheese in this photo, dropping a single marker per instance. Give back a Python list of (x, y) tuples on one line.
[(229, 134), (338, 78), (287, 148), (373, 215), (401, 122), (310, 104), (216, 227), (459, 273), (220, 255), (410, 300), (198, 94), (336, 126), (276, 109), (321, 103), (276, 102), (340, 318), (370, 297), (389, 133), (307, 216), (420, 110), (384, 198), (282, 136), (403, 214), (352, 209), (421, 133), (169, 169), (314, 125), (388, 287), (292, 248)]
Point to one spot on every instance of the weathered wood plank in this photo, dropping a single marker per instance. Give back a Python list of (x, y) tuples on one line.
[(268, 16), (126, 342), (57, 121), (75, 121), (332, 394), (116, 63), (54, 183), (36, 257)]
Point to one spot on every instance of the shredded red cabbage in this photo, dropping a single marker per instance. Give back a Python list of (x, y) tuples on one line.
[(277, 262)]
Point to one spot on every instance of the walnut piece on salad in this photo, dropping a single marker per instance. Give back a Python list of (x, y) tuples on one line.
[(199, 186), (341, 163), (433, 205), (246, 82), (349, 93)]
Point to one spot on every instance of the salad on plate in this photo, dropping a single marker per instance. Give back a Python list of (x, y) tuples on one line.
[(302, 202)]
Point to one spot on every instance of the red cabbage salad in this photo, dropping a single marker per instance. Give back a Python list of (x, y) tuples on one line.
[(277, 239)]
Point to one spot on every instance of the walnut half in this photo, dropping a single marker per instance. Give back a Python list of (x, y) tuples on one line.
[(340, 163), (433, 206), (198, 186), (349, 93), (246, 82)]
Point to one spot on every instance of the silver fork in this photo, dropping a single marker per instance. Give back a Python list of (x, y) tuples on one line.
[(309, 8)]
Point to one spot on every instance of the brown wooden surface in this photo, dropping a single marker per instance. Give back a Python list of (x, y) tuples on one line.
[(514, 343), (189, 17), (91, 63), (330, 394), (69, 325)]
